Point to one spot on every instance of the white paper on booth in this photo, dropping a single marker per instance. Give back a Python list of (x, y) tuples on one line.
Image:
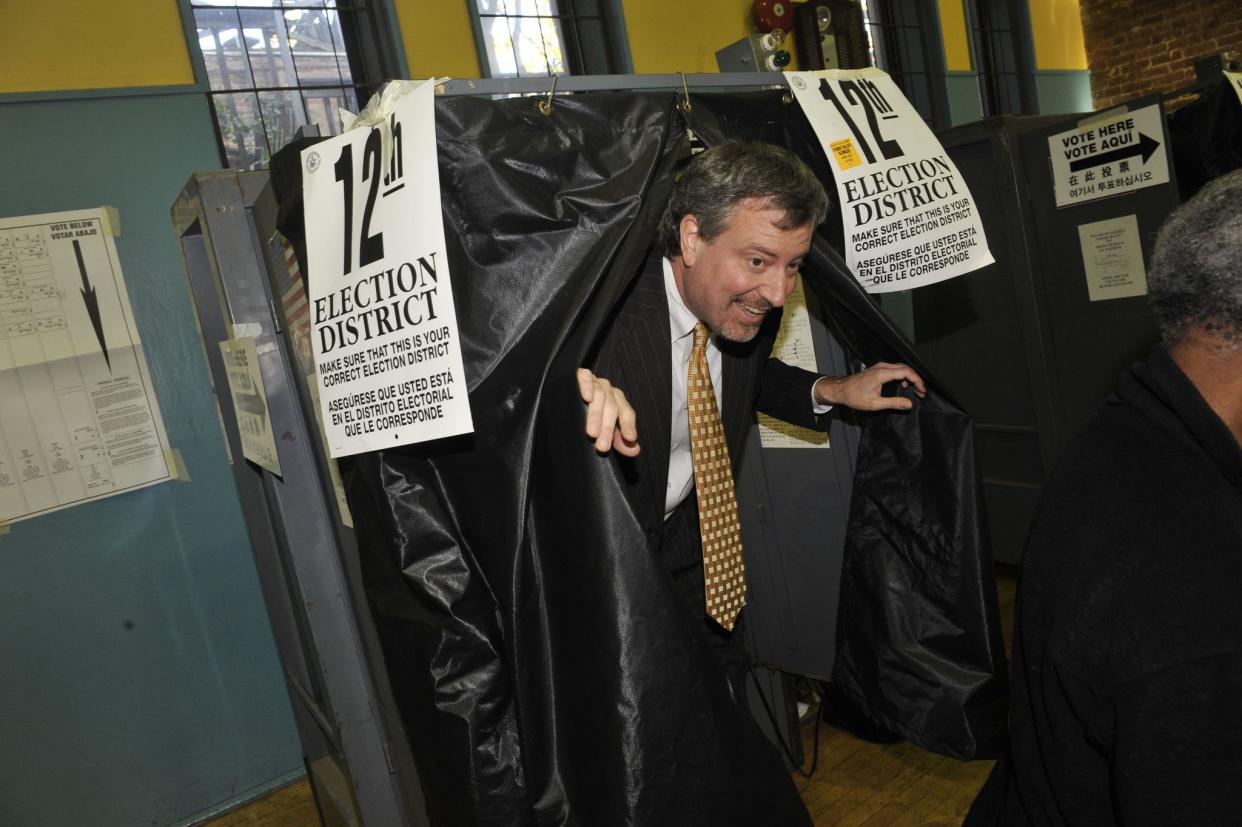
[(1110, 156), (909, 217), (385, 338), (254, 422), (1235, 81), (793, 346), (1112, 258)]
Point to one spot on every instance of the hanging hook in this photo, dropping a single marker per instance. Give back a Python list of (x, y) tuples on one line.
[(685, 101), (545, 105)]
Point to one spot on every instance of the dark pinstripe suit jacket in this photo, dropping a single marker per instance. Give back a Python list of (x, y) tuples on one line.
[(636, 355)]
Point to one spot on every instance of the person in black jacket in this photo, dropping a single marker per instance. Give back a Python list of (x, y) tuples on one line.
[(1126, 703)]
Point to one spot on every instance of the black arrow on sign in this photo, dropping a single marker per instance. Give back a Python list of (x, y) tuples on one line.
[(92, 303), (1145, 147)]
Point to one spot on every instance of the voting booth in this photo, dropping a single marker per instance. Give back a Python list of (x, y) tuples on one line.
[(1034, 343), (472, 630)]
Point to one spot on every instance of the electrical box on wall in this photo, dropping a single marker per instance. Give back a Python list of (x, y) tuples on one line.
[(755, 53)]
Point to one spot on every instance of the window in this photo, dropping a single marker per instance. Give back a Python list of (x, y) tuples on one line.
[(1000, 35), (276, 65), (521, 38), (905, 43)]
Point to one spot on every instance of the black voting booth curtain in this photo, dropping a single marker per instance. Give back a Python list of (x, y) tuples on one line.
[(545, 669)]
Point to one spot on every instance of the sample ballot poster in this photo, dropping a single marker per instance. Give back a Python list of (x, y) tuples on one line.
[(386, 347), (1110, 156), (78, 418), (909, 217), (793, 346)]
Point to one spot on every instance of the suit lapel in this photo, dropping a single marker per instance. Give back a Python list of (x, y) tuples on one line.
[(644, 353)]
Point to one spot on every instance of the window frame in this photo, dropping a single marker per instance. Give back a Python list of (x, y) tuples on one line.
[(931, 42), (1023, 39), (374, 65), (616, 39)]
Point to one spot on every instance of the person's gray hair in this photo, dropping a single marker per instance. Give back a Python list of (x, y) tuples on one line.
[(715, 181), (1195, 279)]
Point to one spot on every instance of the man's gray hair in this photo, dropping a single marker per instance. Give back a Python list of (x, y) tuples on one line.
[(715, 181), (1195, 280)]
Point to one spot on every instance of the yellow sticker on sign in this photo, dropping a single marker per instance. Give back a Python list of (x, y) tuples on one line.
[(846, 154)]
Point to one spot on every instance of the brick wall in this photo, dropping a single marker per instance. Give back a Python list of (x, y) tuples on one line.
[(1136, 47)]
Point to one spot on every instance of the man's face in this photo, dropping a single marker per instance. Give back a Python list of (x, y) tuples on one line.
[(731, 282)]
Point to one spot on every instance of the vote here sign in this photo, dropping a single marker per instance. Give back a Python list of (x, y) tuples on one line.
[(908, 214), (387, 354), (1110, 156)]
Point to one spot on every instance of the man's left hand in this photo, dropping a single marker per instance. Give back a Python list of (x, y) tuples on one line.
[(863, 391)]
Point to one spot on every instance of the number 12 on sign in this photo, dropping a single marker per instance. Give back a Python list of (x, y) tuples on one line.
[(371, 246)]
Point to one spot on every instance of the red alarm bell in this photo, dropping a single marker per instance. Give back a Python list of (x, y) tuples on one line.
[(774, 14)]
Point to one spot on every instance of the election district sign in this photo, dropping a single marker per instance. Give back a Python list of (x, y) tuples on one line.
[(1109, 156), (384, 328), (909, 218)]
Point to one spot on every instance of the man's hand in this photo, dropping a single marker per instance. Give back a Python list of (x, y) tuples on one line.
[(862, 391), (610, 419)]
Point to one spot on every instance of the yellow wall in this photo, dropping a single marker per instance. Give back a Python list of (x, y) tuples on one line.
[(683, 35), (58, 45), (1057, 29), (956, 37), (438, 38)]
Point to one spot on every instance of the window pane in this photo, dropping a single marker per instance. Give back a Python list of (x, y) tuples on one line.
[(267, 43), (314, 49), (323, 107), (241, 130), (342, 54), (522, 37), (537, 45), (220, 39), (233, 3), (282, 115)]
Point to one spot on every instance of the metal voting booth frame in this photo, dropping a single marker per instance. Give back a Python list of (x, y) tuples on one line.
[(356, 752)]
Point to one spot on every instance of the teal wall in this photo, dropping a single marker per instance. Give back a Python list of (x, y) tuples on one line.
[(965, 105), (1062, 92), (140, 681)]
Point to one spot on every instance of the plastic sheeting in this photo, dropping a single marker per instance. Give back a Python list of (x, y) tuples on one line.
[(546, 670)]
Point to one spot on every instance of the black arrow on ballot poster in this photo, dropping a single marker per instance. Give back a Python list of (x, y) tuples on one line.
[(1145, 147), (92, 304)]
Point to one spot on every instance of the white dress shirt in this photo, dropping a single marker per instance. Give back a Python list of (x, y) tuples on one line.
[(681, 324)]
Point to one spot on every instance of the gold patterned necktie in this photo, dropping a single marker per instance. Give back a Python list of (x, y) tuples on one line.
[(724, 573)]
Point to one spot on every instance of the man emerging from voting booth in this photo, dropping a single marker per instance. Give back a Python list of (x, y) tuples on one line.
[(550, 663), (691, 342)]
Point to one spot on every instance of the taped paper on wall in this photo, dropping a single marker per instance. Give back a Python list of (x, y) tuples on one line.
[(78, 416)]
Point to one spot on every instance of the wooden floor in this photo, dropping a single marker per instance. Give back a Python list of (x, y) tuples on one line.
[(855, 784)]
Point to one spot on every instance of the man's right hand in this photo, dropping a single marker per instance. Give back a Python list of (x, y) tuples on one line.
[(610, 419)]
